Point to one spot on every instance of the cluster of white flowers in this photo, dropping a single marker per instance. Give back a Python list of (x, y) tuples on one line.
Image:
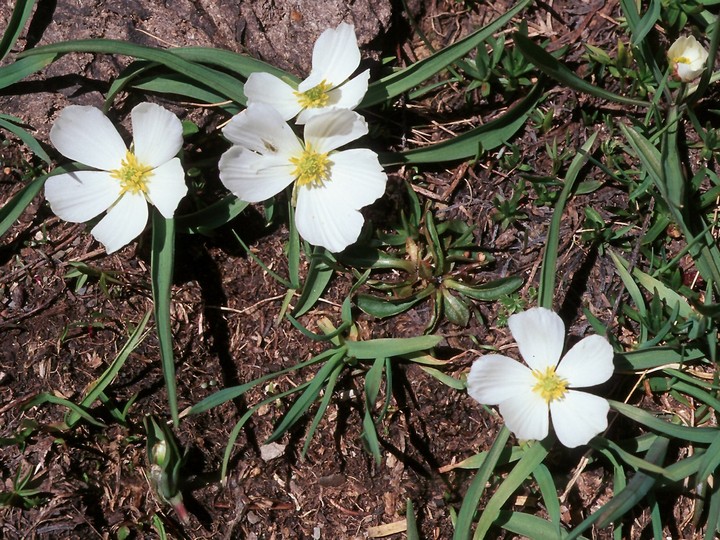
[(330, 186)]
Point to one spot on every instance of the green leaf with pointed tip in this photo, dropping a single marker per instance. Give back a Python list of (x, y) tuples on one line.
[(8, 122), (23, 67)]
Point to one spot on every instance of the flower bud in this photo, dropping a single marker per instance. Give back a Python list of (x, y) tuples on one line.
[(687, 58)]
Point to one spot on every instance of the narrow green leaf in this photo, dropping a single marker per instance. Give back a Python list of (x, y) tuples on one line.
[(318, 277), (646, 23), (23, 67), (470, 144), (227, 85), (444, 378), (99, 386), (412, 528), (388, 347), (329, 390), (307, 398), (20, 15), (240, 64), (674, 431), (548, 273), (529, 526), (463, 526), (161, 262), (216, 215), (382, 308), (552, 67), (550, 497), (636, 489), (527, 464), (655, 357), (710, 462), (487, 292), (45, 397), (415, 74), (22, 134), (227, 394)]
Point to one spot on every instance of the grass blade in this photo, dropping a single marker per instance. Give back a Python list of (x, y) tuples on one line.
[(463, 527), (23, 67), (546, 291)]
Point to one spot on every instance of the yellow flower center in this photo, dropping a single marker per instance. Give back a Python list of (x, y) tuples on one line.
[(133, 175), (549, 385), (316, 97), (312, 168), (681, 60)]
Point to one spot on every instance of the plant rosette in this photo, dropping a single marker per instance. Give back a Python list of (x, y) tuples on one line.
[(126, 179), (335, 57), (330, 186), (529, 396)]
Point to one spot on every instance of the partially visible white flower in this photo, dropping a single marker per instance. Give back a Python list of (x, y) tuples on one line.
[(127, 179), (526, 395), (335, 57), (330, 186), (687, 58)]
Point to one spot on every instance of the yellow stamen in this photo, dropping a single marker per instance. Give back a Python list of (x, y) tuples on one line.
[(312, 168), (681, 60), (133, 175), (549, 385), (316, 97)]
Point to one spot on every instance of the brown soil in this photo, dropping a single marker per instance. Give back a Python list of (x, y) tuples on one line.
[(57, 338)]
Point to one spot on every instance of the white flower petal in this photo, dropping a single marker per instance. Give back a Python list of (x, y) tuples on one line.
[(540, 335), (260, 128), (80, 196), (326, 219), (335, 57), (166, 187), (157, 134), (86, 135), (252, 177), (588, 363), (686, 72), (350, 94), (356, 177), (578, 417), (265, 88), (526, 415), (123, 222), (333, 129), (495, 378)]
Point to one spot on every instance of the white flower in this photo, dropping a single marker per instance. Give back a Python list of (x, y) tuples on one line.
[(127, 179), (525, 395), (330, 186), (687, 58), (335, 57)]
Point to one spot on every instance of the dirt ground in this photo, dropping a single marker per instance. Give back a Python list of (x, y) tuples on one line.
[(58, 338)]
